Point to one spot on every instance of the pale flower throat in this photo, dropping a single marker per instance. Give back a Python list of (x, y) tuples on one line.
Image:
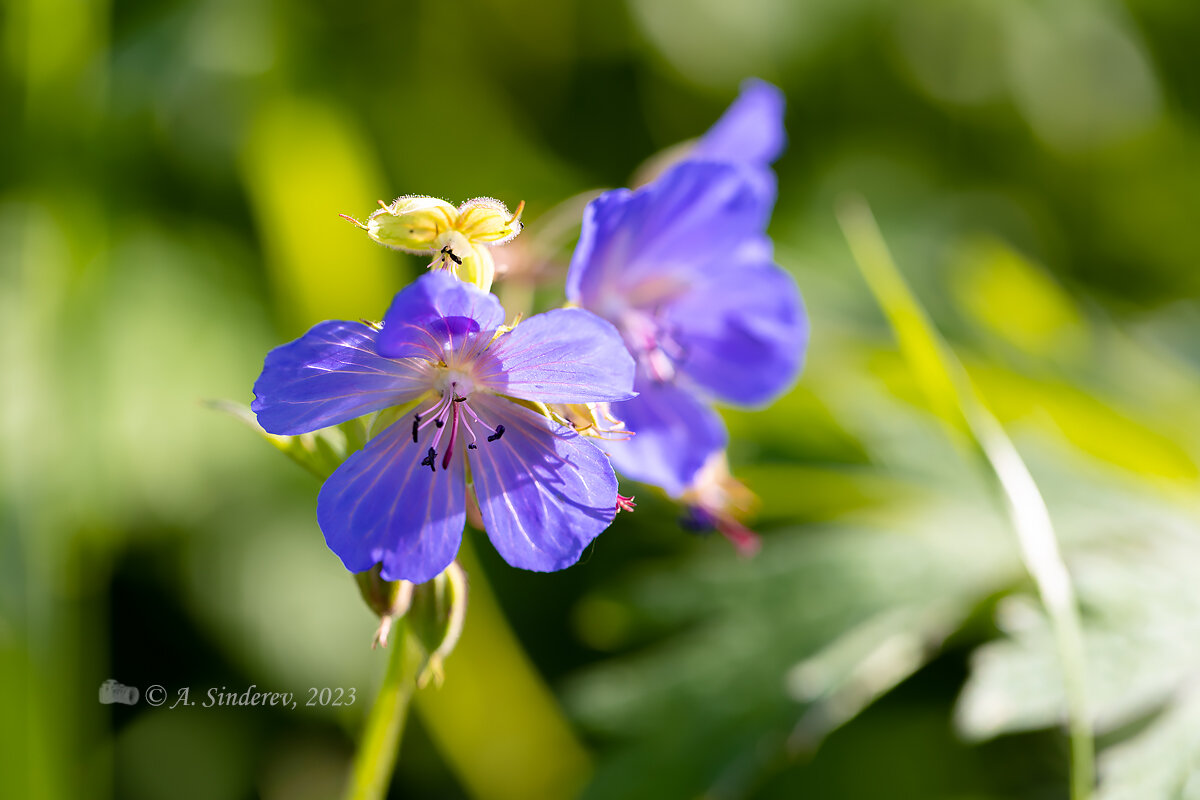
[(450, 414)]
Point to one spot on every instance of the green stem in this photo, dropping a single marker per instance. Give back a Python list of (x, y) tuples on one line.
[(376, 756)]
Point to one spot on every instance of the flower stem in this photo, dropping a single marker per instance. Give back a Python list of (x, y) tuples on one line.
[(376, 756)]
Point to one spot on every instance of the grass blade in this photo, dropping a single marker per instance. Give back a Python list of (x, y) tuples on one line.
[(953, 397)]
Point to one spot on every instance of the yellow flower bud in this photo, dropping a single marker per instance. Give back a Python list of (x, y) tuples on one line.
[(487, 221), (412, 224), (478, 268), (457, 238)]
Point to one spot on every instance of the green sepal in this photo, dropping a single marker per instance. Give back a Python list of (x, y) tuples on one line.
[(385, 598), (323, 451)]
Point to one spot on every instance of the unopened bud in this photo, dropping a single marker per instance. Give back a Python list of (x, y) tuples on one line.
[(435, 619), (388, 599)]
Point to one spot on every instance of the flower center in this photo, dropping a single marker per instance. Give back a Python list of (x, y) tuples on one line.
[(652, 343), (454, 382), (451, 416)]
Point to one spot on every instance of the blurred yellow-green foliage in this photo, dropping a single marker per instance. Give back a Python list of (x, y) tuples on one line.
[(171, 185)]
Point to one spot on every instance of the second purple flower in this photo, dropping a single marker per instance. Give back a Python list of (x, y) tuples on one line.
[(684, 269)]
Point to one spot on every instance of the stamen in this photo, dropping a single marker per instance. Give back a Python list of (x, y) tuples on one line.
[(654, 342), (470, 413), (428, 460), (625, 504), (475, 416), (416, 423), (438, 409), (591, 419), (467, 427), (660, 366), (671, 346), (426, 412), (453, 437)]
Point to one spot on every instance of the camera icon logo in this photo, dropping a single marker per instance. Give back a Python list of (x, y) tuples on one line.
[(113, 692)]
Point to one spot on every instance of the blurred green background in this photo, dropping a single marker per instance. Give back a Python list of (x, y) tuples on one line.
[(172, 177)]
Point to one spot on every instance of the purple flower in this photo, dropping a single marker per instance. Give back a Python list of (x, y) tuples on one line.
[(750, 131), (683, 268), (544, 491)]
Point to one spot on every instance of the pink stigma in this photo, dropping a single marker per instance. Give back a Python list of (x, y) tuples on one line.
[(745, 541)]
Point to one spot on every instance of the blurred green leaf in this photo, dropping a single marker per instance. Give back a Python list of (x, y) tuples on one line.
[(782, 648), (1146, 447), (1015, 300), (1162, 762), (1138, 578)]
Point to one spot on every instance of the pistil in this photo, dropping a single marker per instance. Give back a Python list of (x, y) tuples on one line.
[(453, 408)]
